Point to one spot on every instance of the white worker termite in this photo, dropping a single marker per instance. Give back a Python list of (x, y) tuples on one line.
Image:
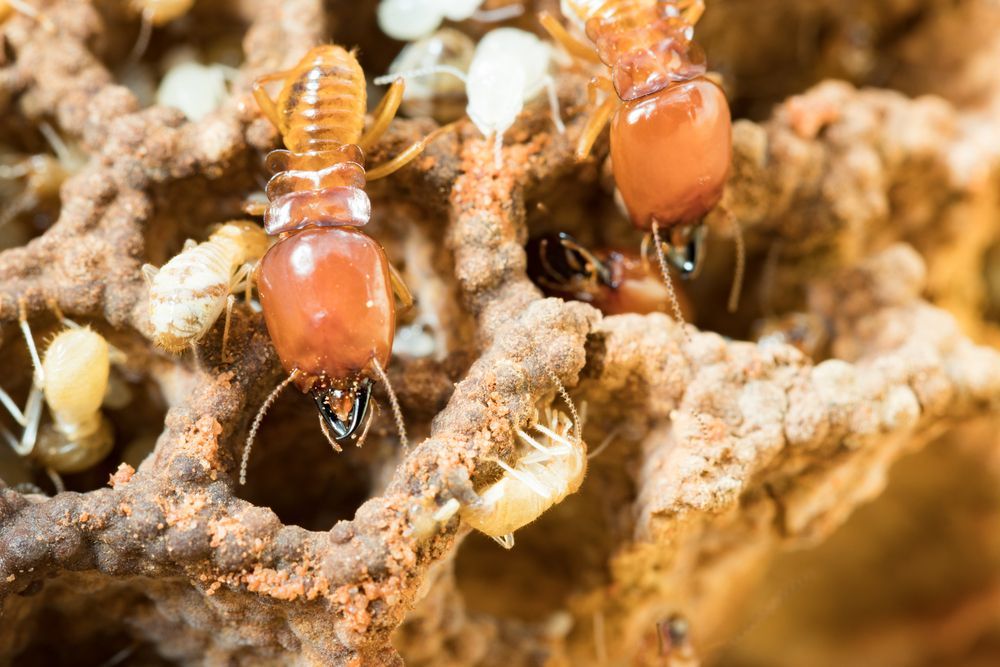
[(193, 87), (551, 465), (72, 380), (441, 95), (408, 20), (189, 292), (509, 67)]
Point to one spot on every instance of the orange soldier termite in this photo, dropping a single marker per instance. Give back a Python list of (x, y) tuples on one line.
[(326, 288), (614, 281), (671, 138)]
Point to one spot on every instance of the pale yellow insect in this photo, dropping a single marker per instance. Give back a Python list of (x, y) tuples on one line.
[(72, 378), (551, 466), (188, 293)]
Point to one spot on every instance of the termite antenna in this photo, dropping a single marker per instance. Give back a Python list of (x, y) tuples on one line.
[(675, 305), (577, 426), (499, 14), (397, 413), (740, 269), (22, 317), (268, 402), (142, 41), (608, 439)]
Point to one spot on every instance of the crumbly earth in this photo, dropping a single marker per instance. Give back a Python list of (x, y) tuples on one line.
[(870, 212)]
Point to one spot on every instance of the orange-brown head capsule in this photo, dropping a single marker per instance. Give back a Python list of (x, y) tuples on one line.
[(671, 153), (328, 304)]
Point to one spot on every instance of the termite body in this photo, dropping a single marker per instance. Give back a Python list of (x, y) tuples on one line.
[(440, 95), (71, 378), (326, 288), (508, 68), (551, 466), (189, 292), (671, 138), (616, 281), (408, 20)]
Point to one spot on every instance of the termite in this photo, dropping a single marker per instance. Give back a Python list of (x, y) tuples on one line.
[(326, 288), (72, 379), (191, 86), (615, 281), (551, 465), (407, 20), (189, 292), (509, 67), (671, 140), (42, 174), (440, 95)]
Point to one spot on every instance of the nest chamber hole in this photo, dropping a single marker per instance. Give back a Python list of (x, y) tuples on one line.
[(294, 472)]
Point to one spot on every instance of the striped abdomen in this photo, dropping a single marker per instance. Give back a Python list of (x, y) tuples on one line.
[(323, 102), (189, 292), (646, 43)]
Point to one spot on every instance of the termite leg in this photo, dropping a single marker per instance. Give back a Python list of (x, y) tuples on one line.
[(242, 280), (15, 412), (264, 101), (573, 46), (383, 114), (408, 155), (595, 124), (506, 541), (33, 419), (399, 287), (57, 480), (550, 86), (22, 317), (226, 357), (149, 273)]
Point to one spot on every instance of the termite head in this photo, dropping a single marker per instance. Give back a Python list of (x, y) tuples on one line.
[(559, 263), (344, 409)]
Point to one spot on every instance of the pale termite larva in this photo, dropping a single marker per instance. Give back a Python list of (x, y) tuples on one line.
[(551, 466), (72, 378), (188, 293), (509, 67)]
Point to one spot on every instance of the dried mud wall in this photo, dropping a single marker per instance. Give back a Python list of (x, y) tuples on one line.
[(869, 206)]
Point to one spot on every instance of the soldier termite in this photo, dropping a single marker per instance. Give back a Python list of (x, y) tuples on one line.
[(189, 292), (615, 281), (72, 379), (326, 288), (408, 20), (551, 465), (671, 142), (509, 67)]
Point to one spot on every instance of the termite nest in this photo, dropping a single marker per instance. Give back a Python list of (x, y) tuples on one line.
[(647, 376)]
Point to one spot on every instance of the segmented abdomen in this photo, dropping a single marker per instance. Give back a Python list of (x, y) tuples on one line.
[(189, 293), (646, 43), (322, 105)]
